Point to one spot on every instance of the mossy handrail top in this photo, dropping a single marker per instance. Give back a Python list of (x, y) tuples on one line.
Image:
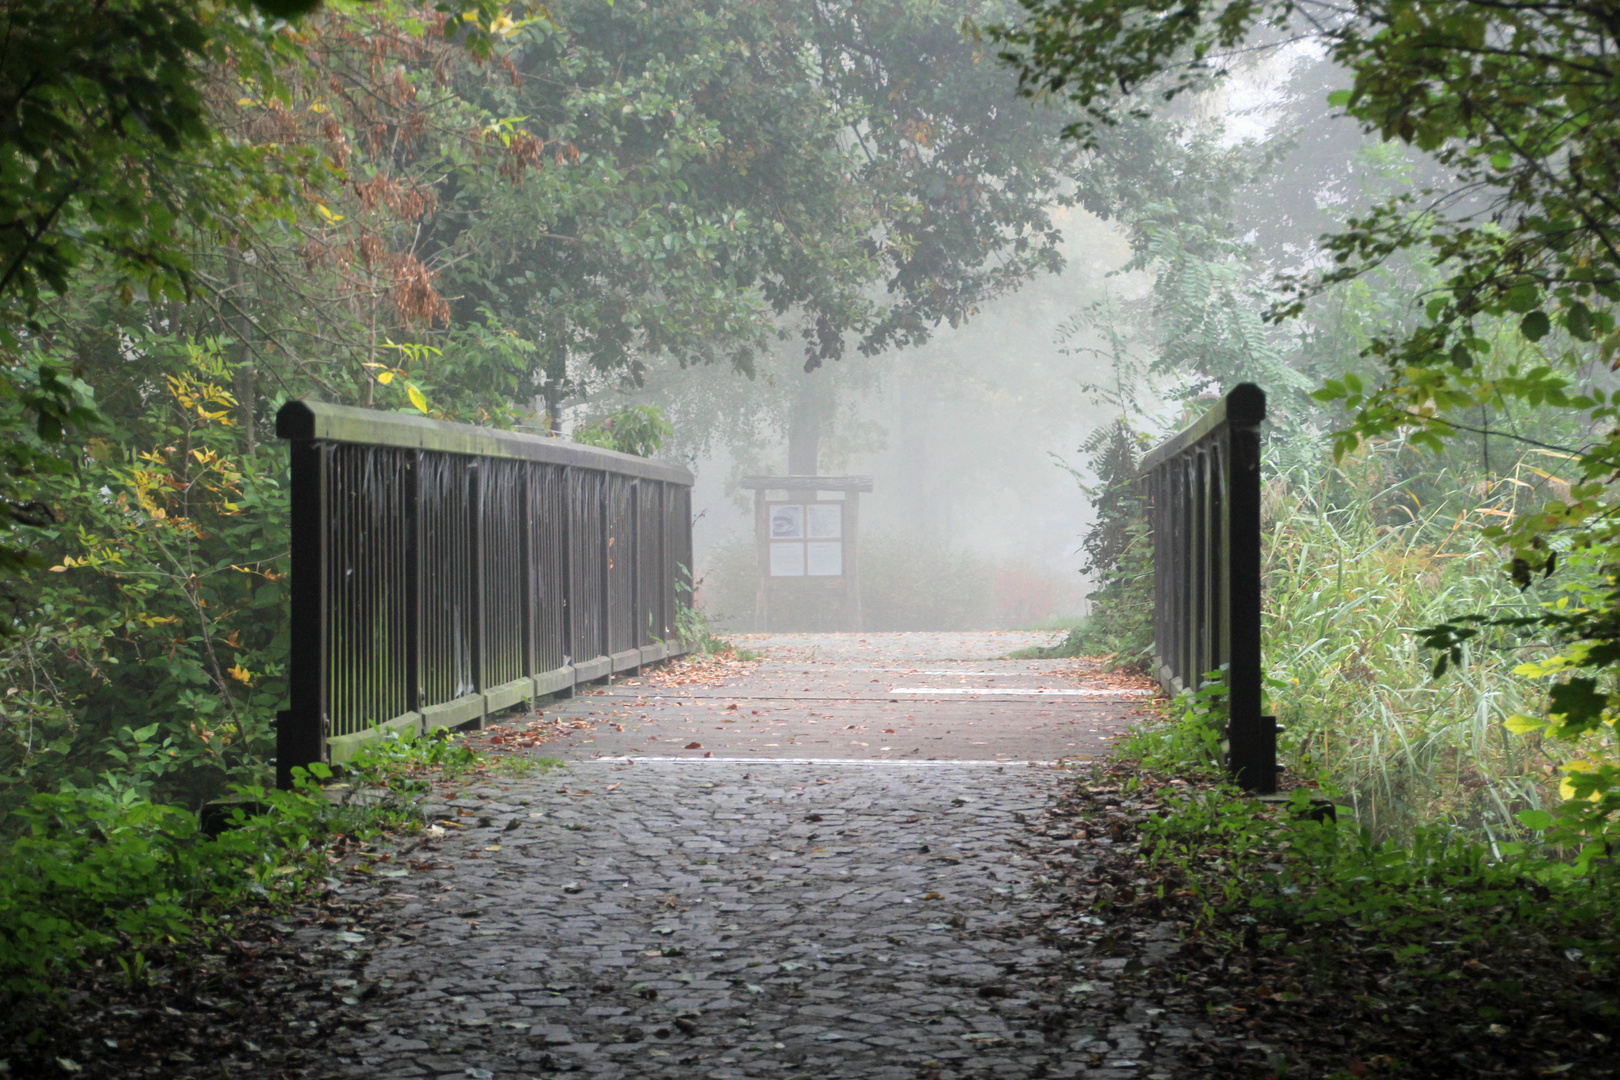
[(302, 421), (1244, 404)]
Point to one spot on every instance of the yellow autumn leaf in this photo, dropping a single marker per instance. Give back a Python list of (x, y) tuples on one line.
[(385, 377), (417, 398), (240, 673), (1523, 725), (1566, 790), (1552, 665)]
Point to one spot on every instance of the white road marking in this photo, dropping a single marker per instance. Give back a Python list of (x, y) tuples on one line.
[(896, 761), (994, 691), (1028, 673)]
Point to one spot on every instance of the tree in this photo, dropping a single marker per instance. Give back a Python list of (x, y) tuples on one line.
[(718, 176), (112, 161), (1519, 105)]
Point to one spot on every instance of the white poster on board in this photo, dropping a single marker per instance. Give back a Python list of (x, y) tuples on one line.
[(787, 560), (825, 559), (825, 521), (787, 522)]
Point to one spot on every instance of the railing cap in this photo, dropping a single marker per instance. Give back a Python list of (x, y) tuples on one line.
[(302, 421), (1244, 405)]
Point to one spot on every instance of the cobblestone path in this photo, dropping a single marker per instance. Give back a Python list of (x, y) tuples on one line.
[(689, 917), (925, 697)]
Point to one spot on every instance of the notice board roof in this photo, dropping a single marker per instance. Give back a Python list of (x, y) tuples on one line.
[(806, 483)]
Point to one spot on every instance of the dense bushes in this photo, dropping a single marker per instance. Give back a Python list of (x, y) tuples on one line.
[(152, 655), (97, 872)]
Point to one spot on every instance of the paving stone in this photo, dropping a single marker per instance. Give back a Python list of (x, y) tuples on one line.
[(678, 918), (763, 951)]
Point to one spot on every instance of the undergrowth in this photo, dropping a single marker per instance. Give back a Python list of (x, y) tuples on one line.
[(1358, 560), (696, 632), (104, 875), (1492, 936)]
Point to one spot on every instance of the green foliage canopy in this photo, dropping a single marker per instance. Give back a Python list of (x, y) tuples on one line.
[(715, 176), (1520, 106)]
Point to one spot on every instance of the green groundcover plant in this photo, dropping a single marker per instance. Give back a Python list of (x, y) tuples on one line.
[(1298, 880), (104, 874)]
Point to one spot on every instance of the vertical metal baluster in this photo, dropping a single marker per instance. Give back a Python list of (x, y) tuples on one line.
[(478, 480)]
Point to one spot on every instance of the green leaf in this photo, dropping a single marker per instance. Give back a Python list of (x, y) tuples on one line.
[(1523, 725), (1578, 321), (1535, 819), (1501, 162), (1521, 298), (1535, 325), (1580, 703), (1339, 98)]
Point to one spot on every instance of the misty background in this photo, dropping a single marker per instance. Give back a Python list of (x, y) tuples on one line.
[(973, 439)]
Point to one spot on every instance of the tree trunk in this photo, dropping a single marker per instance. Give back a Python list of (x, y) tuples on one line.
[(804, 430), (245, 382)]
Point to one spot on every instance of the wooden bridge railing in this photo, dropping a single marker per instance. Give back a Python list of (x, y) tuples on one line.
[(442, 572), (1203, 490)]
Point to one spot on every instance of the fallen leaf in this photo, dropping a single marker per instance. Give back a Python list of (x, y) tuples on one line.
[(694, 746)]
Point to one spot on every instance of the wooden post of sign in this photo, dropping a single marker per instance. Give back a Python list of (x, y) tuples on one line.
[(852, 576), (762, 548)]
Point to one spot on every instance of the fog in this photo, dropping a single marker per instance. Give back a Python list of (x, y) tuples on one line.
[(971, 441), (964, 439)]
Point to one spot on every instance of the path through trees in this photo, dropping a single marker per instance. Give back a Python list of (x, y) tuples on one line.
[(846, 876)]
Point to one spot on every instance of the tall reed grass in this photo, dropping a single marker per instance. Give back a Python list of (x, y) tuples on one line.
[(1355, 562)]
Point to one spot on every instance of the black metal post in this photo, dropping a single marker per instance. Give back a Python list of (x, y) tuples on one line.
[(301, 731), (1252, 757), (1204, 490)]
